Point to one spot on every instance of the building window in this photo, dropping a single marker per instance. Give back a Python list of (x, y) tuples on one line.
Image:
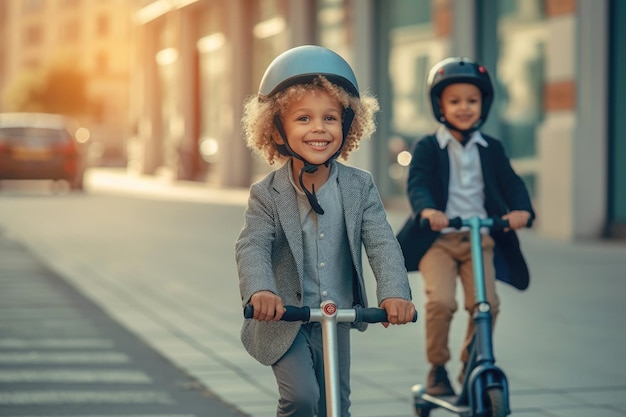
[(70, 31), (33, 35), (522, 35), (102, 62), (70, 3), (334, 26), (32, 5), (30, 63), (511, 42), (407, 46), (102, 26)]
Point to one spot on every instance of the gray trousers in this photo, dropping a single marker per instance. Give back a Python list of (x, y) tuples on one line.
[(300, 373)]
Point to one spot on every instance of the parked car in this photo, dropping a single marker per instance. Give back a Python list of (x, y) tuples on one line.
[(39, 146)]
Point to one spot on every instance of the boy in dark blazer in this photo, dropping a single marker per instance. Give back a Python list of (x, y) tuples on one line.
[(460, 172)]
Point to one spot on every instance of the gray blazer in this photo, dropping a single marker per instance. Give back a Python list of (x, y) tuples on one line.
[(269, 252)]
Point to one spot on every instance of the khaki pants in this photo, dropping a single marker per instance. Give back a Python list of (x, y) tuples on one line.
[(450, 256)]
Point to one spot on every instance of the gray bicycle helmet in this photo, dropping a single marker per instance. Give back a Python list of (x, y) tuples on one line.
[(303, 63), (460, 70), (300, 65)]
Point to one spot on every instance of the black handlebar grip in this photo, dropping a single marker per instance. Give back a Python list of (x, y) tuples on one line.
[(370, 315), (374, 315), (455, 222), (499, 223), (291, 313), (248, 311), (296, 313)]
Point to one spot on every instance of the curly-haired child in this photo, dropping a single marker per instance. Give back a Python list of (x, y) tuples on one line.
[(307, 221)]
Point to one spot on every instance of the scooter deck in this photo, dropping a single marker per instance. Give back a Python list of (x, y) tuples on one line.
[(449, 402)]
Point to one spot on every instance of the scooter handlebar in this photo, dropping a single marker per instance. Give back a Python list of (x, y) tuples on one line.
[(493, 223), (362, 314)]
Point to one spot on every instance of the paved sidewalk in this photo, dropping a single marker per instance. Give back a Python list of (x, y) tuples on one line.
[(60, 355), (561, 343)]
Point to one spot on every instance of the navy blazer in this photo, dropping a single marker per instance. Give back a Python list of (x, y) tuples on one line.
[(427, 187)]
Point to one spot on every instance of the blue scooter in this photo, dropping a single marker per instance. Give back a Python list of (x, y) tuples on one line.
[(485, 391)]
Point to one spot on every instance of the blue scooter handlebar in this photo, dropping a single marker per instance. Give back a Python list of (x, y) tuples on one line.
[(493, 223)]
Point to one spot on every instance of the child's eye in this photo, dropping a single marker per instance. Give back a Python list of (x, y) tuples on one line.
[(330, 118), (304, 118)]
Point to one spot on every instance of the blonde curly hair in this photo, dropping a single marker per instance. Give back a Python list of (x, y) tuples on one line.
[(260, 130)]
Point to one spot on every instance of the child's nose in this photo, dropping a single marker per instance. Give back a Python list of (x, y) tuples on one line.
[(318, 126)]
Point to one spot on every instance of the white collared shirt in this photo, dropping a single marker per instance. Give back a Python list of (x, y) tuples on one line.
[(466, 188)]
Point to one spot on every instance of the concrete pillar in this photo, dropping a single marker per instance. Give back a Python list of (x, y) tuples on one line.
[(555, 137), (572, 141), (234, 169), (463, 42), (591, 137), (302, 21), (363, 65)]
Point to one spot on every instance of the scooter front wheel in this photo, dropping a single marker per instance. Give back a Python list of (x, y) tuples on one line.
[(422, 412), (497, 406)]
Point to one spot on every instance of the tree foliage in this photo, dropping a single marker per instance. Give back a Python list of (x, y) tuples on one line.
[(57, 88)]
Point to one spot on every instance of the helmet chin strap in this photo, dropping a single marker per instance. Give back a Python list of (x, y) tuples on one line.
[(467, 133), (309, 168)]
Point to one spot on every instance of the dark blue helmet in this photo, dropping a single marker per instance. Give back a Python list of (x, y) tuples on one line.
[(460, 70)]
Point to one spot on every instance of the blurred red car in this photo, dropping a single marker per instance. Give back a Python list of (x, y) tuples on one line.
[(39, 146)]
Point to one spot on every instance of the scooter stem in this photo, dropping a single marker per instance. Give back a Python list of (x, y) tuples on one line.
[(331, 377), (477, 258)]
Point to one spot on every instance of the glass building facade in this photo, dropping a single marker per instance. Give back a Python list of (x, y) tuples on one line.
[(202, 58)]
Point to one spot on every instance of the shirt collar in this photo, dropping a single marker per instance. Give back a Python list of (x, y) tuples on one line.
[(292, 180), (444, 136)]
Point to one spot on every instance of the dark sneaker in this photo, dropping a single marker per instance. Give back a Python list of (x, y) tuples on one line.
[(438, 382)]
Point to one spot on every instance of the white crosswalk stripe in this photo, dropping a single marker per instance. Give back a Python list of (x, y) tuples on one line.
[(38, 357), (83, 397), (54, 343), (120, 415), (74, 376)]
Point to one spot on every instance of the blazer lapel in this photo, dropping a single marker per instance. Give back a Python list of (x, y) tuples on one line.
[(288, 215), (349, 197)]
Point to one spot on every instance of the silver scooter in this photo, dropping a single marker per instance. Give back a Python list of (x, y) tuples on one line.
[(329, 315)]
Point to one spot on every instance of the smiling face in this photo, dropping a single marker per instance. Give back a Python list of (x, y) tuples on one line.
[(461, 105), (313, 127)]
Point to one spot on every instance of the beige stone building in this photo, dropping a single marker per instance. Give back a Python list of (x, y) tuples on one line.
[(94, 36), (556, 63)]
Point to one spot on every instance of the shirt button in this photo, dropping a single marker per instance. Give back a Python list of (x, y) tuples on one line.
[(322, 264), (321, 235), (324, 293)]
